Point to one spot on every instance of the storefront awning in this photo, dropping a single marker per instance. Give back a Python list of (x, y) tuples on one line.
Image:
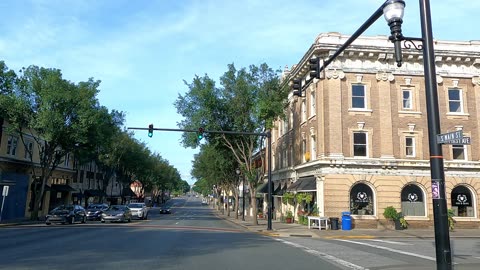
[(62, 188), (280, 189), (304, 184), (263, 188), (94, 193)]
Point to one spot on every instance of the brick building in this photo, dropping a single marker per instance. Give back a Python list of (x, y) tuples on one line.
[(358, 139)]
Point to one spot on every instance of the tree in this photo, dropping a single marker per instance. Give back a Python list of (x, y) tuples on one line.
[(57, 112), (247, 101)]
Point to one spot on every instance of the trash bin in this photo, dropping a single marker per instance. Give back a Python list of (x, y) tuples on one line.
[(334, 223), (346, 221)]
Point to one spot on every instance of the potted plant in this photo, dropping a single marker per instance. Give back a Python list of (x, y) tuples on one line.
[(392, 214), (289, 217)]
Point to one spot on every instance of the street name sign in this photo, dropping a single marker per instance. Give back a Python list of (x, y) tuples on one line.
[(455, 137)]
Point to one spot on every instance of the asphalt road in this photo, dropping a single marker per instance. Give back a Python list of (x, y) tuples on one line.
[(192, 237)]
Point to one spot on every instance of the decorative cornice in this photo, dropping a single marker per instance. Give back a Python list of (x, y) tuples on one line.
[(335, 74), (385, 76), (476, 80)]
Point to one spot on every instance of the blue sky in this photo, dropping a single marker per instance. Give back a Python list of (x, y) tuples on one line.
[(142, 51)]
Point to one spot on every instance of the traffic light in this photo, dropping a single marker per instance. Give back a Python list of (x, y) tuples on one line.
[(150, 130), (297, 87), (314, 67), (200, 134)]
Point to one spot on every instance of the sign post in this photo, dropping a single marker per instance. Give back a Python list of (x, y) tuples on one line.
[(4, 194)]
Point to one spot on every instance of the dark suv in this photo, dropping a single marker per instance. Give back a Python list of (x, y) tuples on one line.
[(66, 214)]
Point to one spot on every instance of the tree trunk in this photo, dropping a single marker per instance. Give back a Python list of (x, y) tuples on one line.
[(253, 197), (236, 205), (227, 206)]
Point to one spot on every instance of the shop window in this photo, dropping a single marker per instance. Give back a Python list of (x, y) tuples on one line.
[(413, 201), (361, 200), (462, 202)]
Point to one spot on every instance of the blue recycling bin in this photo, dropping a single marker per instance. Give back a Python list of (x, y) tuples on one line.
[(346, 221)]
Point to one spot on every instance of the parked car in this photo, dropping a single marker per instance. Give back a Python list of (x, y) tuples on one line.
[(117, 213), (94, 211), (165, 210), (139, 210), (66, 214)]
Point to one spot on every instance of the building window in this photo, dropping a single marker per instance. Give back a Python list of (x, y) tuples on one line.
[(313, 103), (413, 203), (455, 103), (28, 150), (407, 101), (67, 159), (410, 146), (358, 96), (462, 202), (304, 150), (361, 200), (304, 111), (313, 148), (12, 145), (359, 144), (458, 152), (290, 119)]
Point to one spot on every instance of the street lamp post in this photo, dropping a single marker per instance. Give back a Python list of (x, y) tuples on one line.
[(393, 11)]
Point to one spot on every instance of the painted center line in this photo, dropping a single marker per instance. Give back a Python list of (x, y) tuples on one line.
[(324, 255), (390, 249)]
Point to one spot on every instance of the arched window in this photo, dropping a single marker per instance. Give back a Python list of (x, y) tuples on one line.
[(361, 200), (413, 201), (462, 202)]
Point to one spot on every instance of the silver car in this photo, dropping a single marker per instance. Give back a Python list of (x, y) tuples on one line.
[(139, 210), (117, 213)]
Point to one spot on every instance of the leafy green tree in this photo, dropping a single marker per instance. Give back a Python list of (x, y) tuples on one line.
[(248, 100), (58, 112)]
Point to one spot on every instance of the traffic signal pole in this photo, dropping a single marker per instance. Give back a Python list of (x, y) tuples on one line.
[(261, 134)]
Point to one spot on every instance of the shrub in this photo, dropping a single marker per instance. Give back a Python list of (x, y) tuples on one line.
[(391, 213)]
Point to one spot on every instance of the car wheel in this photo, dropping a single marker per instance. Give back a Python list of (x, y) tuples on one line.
[(102, 221), (84, 220), (48, 223)]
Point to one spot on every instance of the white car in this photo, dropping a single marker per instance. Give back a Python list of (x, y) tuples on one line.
[(139, 210)]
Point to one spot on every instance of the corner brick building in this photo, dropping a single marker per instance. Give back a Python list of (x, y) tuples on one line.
[(358, 139)]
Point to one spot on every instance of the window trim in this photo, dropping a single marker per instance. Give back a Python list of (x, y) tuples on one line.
[(365, 97), (461, 101), (412, 106), (474, 201), (12, 145), (414, 146), (465, 152), (424, 194), (374, 195), (366, 143)]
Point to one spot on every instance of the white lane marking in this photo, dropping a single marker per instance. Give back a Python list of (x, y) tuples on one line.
[(391, 242), (324, 255), (390, 249)]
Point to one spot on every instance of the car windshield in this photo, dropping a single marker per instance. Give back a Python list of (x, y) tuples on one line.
[(117, 208), (135, 205), (64, 207), (95, 207)]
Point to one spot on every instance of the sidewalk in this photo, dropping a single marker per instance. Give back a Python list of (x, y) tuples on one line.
[(280, 229)]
